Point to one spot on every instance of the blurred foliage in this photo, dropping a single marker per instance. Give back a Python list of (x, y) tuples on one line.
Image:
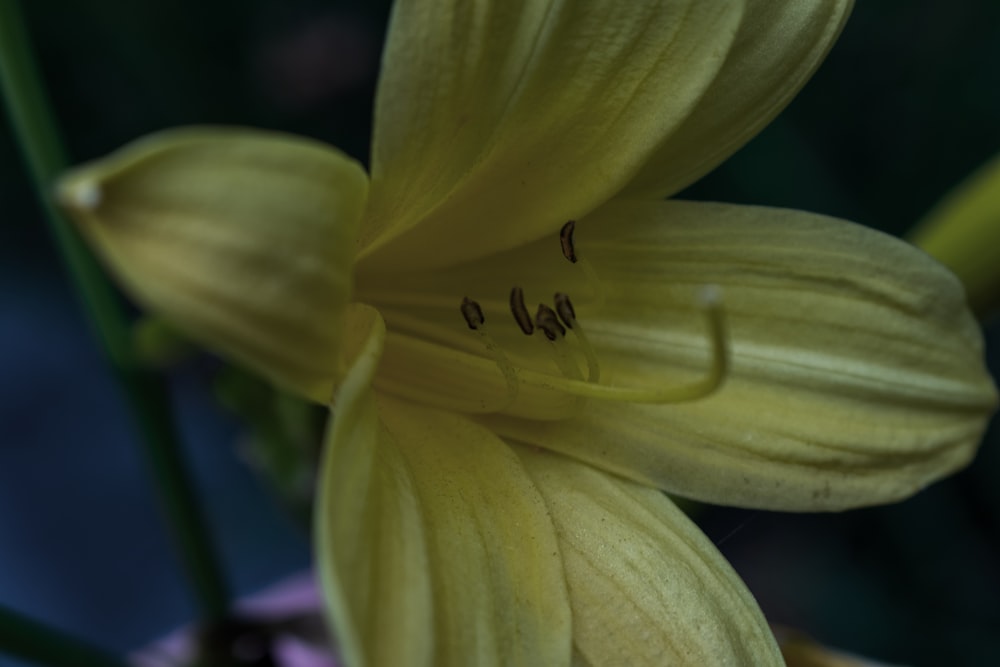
[(907, 104)]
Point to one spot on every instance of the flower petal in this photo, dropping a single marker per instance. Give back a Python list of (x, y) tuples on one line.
[(243, 239), (779, 45), (496, 122), (963, 233), (799, 650), (434, 545), (856, 375), (646, 586)]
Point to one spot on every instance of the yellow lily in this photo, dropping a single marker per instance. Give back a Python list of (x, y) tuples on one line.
[(466, 513)]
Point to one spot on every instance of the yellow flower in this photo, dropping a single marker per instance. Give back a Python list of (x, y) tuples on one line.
[(467, 515)]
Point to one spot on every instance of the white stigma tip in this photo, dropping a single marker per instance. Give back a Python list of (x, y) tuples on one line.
[(84, 195), (709, 296)]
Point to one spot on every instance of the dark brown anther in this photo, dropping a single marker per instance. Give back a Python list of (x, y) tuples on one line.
[(546, 320), (520, 311), (566, 241), (565, 309), (472, 313)]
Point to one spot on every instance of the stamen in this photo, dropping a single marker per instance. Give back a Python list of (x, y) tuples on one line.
[(474, 317), (566, 240), (568, 315), (710, 302), (520, 311), (548, 323), (569, 252), (472, 313), (565, 309)]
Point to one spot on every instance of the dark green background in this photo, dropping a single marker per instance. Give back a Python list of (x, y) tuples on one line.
[(906, 105)]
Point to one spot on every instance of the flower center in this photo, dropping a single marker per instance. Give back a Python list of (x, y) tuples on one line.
[(555, 323), (542, 361)]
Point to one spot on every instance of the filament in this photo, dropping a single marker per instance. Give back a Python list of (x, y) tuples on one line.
[(474, 317), (564, 307), (568, 247), (548, 324), (710, 302)]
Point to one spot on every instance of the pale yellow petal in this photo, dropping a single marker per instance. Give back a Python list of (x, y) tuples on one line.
[(497, 121), (245, 240), (857, 374), (371, 547), (454, 372), (434, 545), (799, 650), (779, 45), (646, 586), (963, 232)]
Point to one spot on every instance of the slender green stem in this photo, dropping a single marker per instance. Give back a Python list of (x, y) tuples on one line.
[(34, 125), (35, 642)]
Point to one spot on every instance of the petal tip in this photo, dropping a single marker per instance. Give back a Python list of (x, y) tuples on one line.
[(78, 192)]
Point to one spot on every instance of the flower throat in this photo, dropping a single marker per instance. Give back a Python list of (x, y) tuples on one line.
[(556, 321)]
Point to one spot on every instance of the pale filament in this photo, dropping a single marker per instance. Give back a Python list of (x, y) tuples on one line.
[(474, 317), (547, 322), (569, 251), (564, 307)]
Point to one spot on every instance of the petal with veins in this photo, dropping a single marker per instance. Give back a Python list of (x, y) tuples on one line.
[(856, 376), (497, 121), (779, 45), (243, 239), (434, 545), (647, 587)]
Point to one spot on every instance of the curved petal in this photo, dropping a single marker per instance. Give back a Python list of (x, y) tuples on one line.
[(856, 375), (963, 233), (800, 650), (646, 586), (243, 239), (779, 45), (497, 121), (434, 545)]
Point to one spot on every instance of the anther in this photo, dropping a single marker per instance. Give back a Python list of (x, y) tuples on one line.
[(565, 309), (546, 320), (566, 241), (472, 313), (569, 252), (520, 311)]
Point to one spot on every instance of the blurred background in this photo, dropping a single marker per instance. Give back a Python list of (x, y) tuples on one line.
[(907, 104)]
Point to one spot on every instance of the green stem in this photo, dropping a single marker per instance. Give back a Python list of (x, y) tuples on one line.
[(34, 642), (34, 125)]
